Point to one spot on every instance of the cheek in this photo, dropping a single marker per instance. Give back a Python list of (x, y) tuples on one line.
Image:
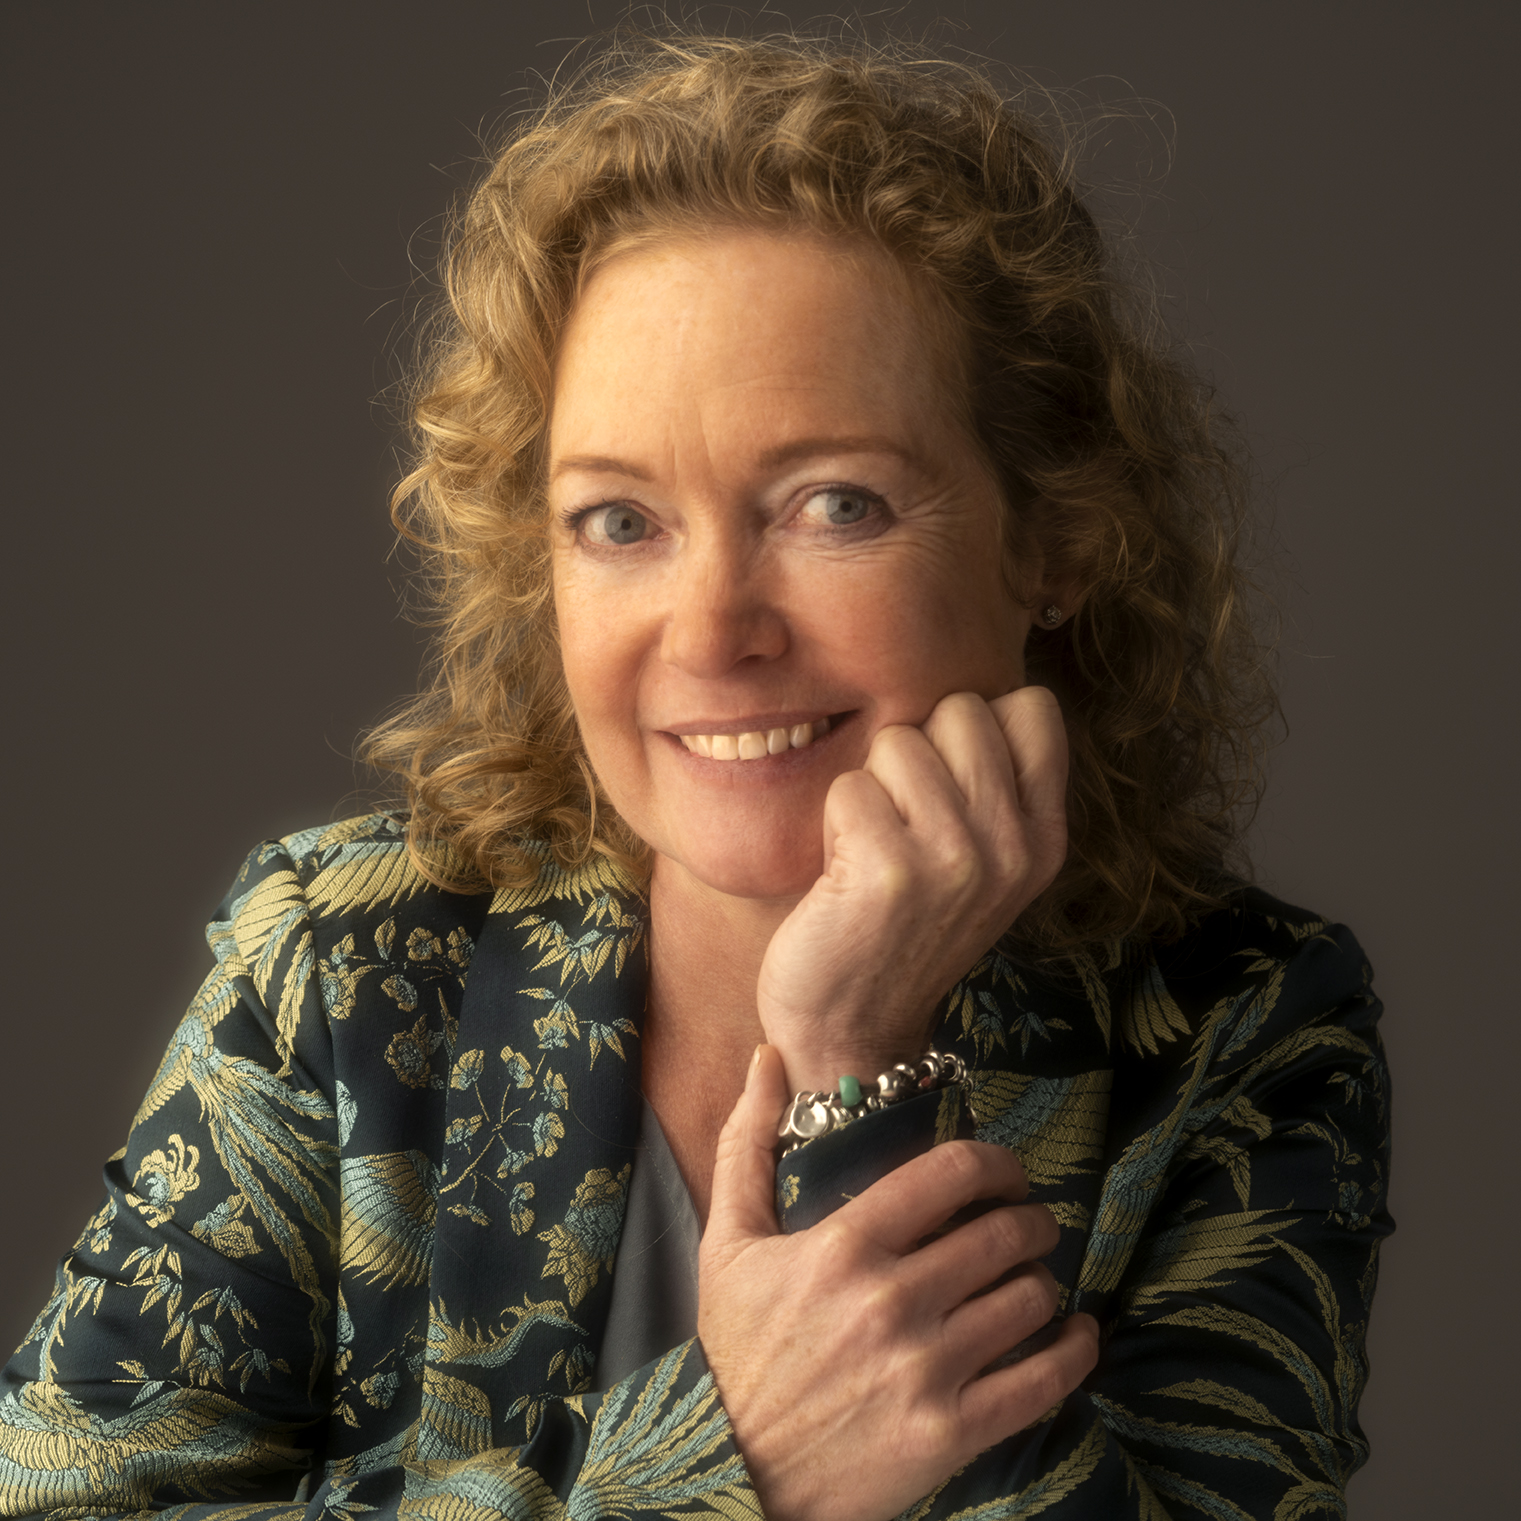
[(928, 630), (599, 654), (587, 655)]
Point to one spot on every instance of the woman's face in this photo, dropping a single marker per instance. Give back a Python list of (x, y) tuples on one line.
[(764, 516)]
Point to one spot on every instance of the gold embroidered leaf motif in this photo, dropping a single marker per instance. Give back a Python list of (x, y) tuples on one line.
[(1300, 1043), (1299, 932), (1222, 1321), (1347, 1370), (1227, 1154), (586, 1241), (1056, 1124), (455, 1419), (1203, 1255), (466, 1073), (653, 1456), (1149, 1506), (1049, 1489), (578, 883), (390, 1209), (363, 875), (1071, 1214), (265, 921), (1206, 1391), (494, 1486), (225, 1230), (1097, 991), (60, 1456), (1150, 1018), (948, 1113), (1311, 1500), (992, 1094), (1164, 1483), (1070, 1141)]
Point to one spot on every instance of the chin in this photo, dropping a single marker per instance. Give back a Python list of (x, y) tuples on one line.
[(744, 871)]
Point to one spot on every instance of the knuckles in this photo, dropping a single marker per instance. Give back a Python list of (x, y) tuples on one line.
[(1009, 1236), (1036, 1294), (884, 1310), (967, 1170), (1044, 1232)]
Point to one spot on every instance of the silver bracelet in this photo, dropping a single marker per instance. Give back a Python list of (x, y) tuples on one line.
[(811, 1115)]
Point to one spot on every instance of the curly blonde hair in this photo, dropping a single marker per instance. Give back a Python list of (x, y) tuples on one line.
[(1103, 442)]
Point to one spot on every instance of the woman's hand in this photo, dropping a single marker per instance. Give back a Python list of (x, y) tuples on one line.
[(930, 853), (848, 1357)]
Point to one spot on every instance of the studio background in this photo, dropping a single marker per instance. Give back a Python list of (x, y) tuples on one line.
[(219, 218)]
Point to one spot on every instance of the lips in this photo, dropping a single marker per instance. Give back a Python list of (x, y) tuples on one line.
[(755, 744)]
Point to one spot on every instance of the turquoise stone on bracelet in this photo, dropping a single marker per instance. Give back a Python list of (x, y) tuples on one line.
[(850, 1091)]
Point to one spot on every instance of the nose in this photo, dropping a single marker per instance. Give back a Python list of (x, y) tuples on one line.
[(723, 610)]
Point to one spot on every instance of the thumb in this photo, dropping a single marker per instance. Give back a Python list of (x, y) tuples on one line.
[(743, 1206)]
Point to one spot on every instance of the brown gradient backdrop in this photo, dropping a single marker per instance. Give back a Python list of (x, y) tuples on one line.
[(213, 218)]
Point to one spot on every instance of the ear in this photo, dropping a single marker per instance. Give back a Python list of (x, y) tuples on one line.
[(1050, 586), (1056, 599)]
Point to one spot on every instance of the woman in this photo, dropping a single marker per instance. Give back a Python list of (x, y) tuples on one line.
[(787, 449)]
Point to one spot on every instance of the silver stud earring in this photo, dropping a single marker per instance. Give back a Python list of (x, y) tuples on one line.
[(1052, 615)]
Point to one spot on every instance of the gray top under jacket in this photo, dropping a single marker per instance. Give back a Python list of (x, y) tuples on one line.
[(654, 1305)]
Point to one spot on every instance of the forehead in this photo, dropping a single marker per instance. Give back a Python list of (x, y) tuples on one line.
[(751, 330)]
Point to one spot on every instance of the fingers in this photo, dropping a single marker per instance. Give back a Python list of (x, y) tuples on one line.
[(981, 1330), (980, 1252), (970, 741), (913, 773), (898, 1211), (1008, 1399), (744, 1171), (1031, 720), (987, 767)]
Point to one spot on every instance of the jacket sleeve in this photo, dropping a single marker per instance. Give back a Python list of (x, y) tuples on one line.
[(1234, 1359), (1231, 1263), (190, 1357)]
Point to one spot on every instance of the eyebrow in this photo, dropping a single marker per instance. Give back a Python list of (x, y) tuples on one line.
[(598, 464), (783, 454)]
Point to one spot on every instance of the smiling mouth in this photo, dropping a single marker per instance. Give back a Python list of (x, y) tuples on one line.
[(757, 744)]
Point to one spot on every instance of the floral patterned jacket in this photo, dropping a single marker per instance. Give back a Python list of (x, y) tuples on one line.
[(356, 1255)]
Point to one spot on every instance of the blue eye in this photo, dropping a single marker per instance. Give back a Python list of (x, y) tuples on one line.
[(618, 524), (839, 505)]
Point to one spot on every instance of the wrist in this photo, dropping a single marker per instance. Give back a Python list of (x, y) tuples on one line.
[(821, 1071), (816, 1060)]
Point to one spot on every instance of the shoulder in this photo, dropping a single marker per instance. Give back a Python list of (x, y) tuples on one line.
[(308, 911), (341, 876), (353, 888), (1256, 939), (1257, 974)]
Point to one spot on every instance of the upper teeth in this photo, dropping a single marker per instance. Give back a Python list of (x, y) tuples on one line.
[(756, 743)]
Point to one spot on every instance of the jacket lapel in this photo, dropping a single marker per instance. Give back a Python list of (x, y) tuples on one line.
[(542, 1121)]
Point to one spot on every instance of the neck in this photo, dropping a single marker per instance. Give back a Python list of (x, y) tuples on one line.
[(701, 1024), (706, 952)]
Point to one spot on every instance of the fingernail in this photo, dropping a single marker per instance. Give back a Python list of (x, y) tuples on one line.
[(754, 1063)]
